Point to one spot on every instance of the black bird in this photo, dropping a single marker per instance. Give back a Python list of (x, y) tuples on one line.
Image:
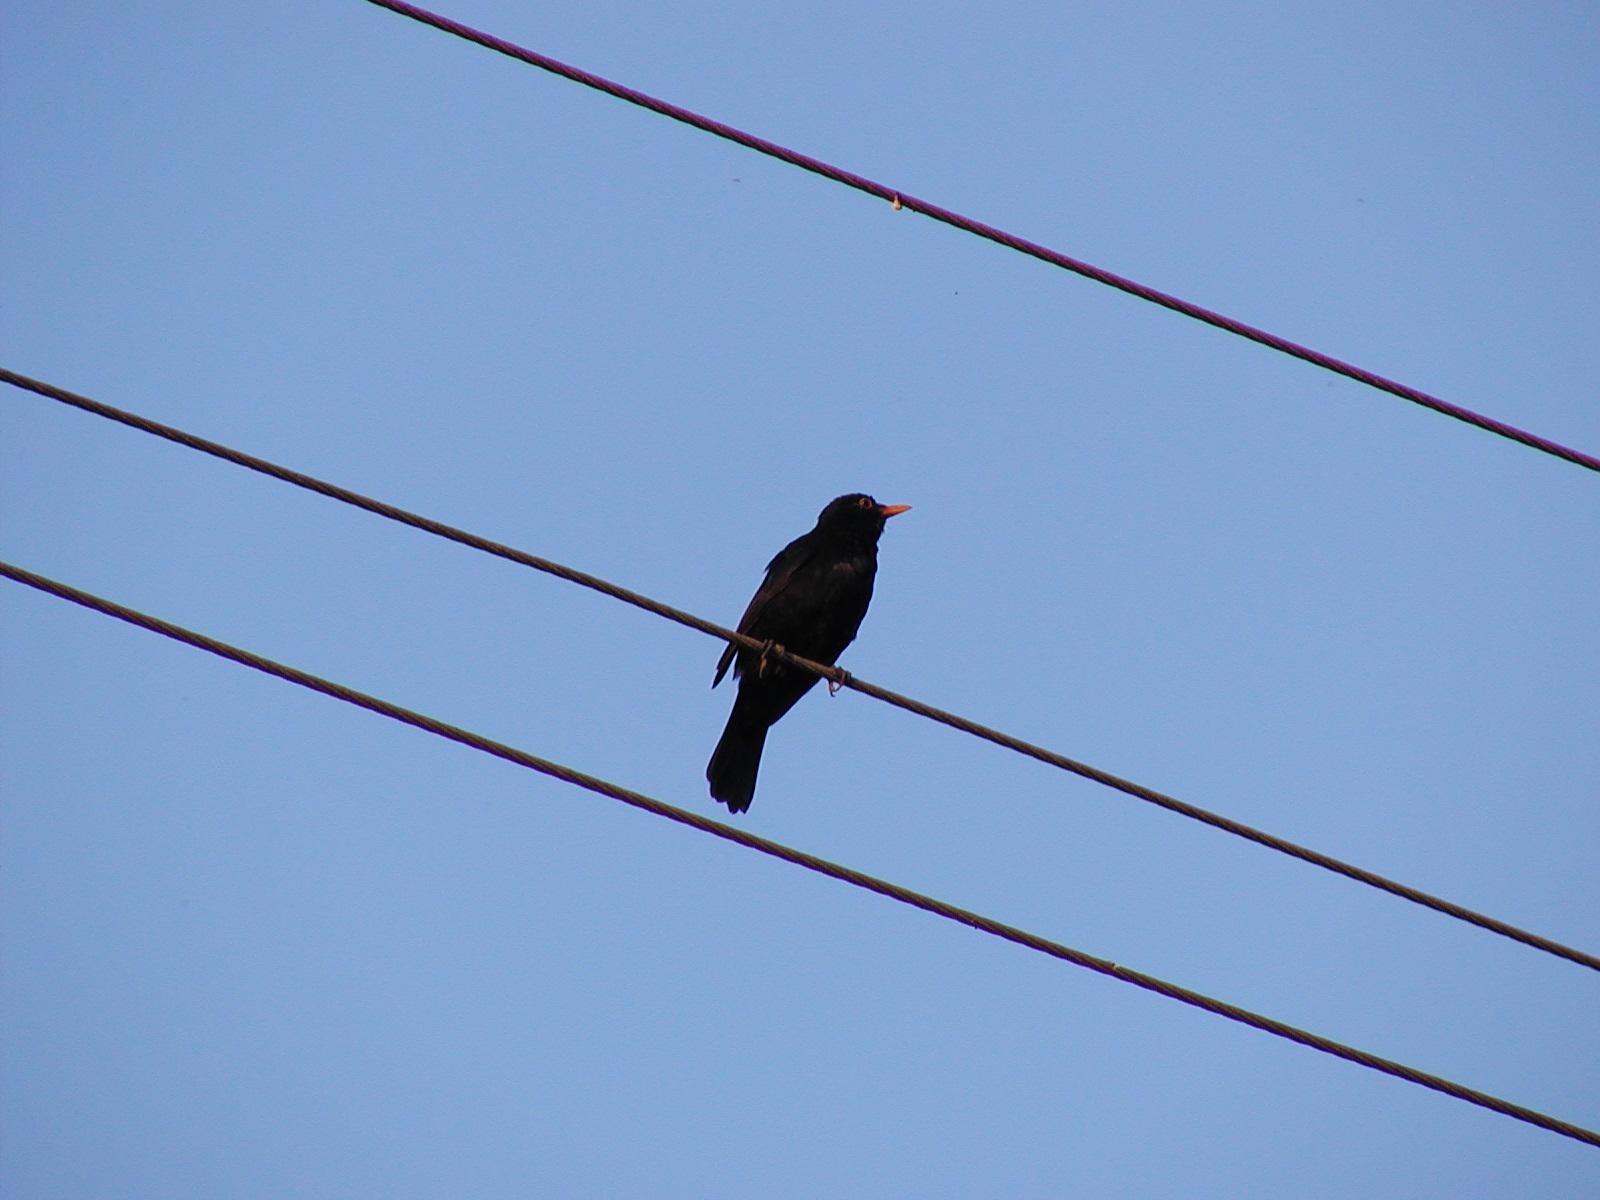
[(811, 603)]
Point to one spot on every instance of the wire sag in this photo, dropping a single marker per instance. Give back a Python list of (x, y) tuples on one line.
[(800, 858)]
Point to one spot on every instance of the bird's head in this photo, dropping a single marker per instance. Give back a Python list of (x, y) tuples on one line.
[(858, 513)]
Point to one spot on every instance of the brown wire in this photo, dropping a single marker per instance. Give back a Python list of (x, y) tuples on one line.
[(799, 857), (836, 675)]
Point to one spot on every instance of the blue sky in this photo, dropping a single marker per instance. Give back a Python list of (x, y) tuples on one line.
[(259, 944)]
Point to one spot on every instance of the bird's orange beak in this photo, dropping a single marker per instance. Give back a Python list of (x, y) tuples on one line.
[(890, 510)]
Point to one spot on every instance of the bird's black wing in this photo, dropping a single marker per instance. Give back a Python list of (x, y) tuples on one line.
[(780, 571)]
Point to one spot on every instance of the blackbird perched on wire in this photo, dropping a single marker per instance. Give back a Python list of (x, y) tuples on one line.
[(811, 603)]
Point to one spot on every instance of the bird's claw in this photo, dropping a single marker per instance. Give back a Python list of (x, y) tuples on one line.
[(835, 682), (766, 652)]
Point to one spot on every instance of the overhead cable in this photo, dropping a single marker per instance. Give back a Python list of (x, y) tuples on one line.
[(902, 200), (800, 858), (836, 675)]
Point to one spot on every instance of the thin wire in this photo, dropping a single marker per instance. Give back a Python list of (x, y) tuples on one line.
[(836, 675), (967, 224), (799, 857)]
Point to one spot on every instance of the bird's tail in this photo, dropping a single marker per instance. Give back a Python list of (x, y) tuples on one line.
[(734, 763)]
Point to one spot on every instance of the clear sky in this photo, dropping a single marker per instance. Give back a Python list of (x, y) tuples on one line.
[(258, 944)]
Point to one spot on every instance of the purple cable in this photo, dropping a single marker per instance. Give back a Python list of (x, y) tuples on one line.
[(1044, 253)]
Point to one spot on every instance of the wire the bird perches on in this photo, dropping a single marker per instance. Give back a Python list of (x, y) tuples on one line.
[(835, 675)]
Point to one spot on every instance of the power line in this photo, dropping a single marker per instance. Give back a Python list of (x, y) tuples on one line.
[(799, 857), (835, 675), (967, 224)]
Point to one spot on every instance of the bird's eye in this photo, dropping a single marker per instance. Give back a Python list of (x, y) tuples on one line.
[(863, 503)]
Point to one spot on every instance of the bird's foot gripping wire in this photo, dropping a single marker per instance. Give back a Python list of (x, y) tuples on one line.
[(767, 649), (839, 679)]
